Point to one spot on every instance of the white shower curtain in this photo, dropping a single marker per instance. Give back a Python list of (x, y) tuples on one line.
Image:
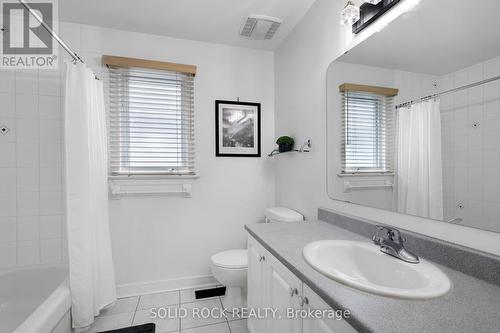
[(92, 277), (419, 173)]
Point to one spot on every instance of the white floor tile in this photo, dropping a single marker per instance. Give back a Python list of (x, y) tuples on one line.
[(217, 328), (239, 326), (163, 325), (122, 305), (161, 299), (202, 313), (112, 322), (188, 296)]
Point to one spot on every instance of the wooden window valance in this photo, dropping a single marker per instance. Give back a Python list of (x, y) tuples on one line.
[(113, 61), (389, 92)]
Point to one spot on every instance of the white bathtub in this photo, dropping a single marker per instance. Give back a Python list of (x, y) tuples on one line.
[(35, 300)]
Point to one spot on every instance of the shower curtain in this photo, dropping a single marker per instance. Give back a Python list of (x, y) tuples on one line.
[(92, 277), (419, 173)]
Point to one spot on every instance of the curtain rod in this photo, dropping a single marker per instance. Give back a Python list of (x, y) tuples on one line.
[(73, 54), (426, 98)]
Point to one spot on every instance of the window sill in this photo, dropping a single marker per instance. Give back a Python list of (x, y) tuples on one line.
[(154, 185), (366, 174)]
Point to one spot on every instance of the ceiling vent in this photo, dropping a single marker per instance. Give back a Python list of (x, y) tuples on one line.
[(260, 27)]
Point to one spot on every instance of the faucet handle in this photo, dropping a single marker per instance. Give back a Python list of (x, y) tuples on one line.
[(392, 233)]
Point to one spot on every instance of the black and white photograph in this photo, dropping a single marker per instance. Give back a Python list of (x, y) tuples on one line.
[(237, 129)]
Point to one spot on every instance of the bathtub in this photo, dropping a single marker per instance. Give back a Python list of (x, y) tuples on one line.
[(35, 300)]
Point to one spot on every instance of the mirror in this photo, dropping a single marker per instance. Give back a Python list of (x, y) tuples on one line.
[(390, 147)]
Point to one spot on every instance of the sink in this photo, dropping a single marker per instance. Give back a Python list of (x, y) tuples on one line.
[(363, 266)]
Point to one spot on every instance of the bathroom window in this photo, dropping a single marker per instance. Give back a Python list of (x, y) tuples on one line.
[(151, 121), (368, 118)]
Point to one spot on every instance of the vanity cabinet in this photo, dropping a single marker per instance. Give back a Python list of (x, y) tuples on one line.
[(257, 269), (273, 286)]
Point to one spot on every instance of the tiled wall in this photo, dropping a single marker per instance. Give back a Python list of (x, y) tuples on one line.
[(32, 226), (471, 147), (31, 205)]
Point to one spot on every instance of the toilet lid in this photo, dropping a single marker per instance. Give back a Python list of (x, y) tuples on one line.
[(231, 259)]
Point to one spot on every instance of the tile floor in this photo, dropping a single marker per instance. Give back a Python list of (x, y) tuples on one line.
[(136, 310)]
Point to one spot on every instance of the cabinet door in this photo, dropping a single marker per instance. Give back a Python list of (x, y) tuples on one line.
[(283, 289), (323, 324), (256, 295)]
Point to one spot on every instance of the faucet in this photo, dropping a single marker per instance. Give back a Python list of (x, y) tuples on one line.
[(392, 244)]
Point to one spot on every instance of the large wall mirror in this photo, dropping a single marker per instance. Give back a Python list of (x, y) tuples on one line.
[(413, 116)]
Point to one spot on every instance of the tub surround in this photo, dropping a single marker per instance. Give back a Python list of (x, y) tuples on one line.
[(470, 306)]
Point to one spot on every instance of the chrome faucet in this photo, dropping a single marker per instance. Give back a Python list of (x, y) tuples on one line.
[(392, 243)]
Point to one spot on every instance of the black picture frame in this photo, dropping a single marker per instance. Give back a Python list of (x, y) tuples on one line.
[(221, 151)]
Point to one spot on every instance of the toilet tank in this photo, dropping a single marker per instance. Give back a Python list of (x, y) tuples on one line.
[(282, 214)]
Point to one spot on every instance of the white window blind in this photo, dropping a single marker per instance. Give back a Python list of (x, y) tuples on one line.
[(151, 122), (368, 121)]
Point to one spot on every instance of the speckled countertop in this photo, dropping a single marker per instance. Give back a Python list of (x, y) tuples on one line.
[(471, 306)]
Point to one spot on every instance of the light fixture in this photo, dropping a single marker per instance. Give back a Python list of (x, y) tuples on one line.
[(350, 14), (373, 2)]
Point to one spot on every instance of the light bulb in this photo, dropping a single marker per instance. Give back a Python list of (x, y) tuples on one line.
[(350, 14)]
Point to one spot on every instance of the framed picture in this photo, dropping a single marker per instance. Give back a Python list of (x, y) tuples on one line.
[(237, 129)]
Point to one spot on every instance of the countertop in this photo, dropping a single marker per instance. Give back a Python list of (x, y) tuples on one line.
[(471, 306)]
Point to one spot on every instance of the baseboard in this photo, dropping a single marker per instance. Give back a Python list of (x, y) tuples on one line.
[(151, 287)]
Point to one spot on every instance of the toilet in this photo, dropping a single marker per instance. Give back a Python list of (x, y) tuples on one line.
[(230, 267)]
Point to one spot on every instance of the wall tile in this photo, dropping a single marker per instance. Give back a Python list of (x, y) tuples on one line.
[(49, 83), (28, 228), (28, 155), (27, 130), (9, 136), (28, 252), (50, 179), (28, 179), (8, 81), (26, 106), (8, 254), (28, 203), (50, 131), (50, 155), (50, 203), (8, 203), (50, 227), (8, 230), (30, 163), (49, 107), (50, 250), (8, 179), (7, 155), (27, 82), (8, 103)]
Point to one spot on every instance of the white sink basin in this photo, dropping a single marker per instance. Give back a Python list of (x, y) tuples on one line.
[(364, 267)]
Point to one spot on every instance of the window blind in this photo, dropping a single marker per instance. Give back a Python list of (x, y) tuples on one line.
[(151, 122), (368, 121)]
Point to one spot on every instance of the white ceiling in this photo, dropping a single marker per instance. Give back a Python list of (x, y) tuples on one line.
[(437, 37), (216, 21)]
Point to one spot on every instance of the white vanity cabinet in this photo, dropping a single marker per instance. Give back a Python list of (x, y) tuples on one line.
[(271, 285), (283, 292), (257, 269)]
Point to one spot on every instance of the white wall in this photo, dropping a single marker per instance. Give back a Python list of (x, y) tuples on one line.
[(410, 86), (164, 238), (31, 207), (301, 64), (471, 155)]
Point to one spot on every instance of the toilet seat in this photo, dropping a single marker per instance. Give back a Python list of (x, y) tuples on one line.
[(232, 259)]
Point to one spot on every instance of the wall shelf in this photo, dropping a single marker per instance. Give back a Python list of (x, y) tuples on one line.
[(305, 148)]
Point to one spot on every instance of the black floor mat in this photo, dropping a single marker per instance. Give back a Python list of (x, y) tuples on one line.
[(146, 328)]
